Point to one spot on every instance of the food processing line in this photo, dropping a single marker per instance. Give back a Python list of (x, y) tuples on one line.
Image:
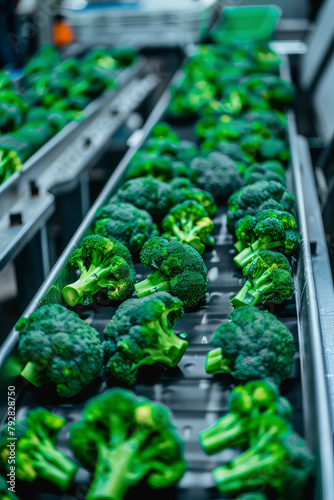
[(195, 398)]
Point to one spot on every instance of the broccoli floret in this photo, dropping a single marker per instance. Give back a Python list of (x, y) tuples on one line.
[(127, 223), (269, 170), (164, 131), (260, 149), (248, 405), (154, 196), (268, 123), (177, 268), (280, 93), (188, 222), (276, 448), (268, 279), (250, 199), (141, 333), (270, 229), (105, 265), (35, 453), (5, 492), (180, 150), (143, 163), (216, 173), (59, 347), (252, 345), (123, 439), (185, 190)]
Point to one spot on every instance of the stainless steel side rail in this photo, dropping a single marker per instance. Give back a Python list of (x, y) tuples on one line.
[(316, 393), (323, 280)]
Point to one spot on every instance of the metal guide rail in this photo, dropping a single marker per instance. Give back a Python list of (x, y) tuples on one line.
[(195, 398), (58, 166)]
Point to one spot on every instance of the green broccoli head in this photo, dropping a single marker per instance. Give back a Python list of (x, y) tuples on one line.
[(123, 439), (35, 453), (258, 196), (252, 345), (143, 163), (268, 123), (268, 229), (140, 333), (177, 268), (127, 223), (277, 460), (185, 190), (268, 279), (248, 405), (58, 346), (260, 149), (183, 151), (162, 130), (105, 265), (216, 173), (269, 170), (188, 223), (154, 196)]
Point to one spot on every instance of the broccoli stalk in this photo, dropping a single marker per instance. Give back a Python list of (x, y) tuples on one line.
[(92, 279), (216, 363), (36, 454), (34, 373), (277, 459), (155, 282), (250, 469), (228, 432), (248, 406), (115, 478), (247, 254)]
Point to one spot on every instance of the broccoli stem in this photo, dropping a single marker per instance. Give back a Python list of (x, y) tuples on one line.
[(249, 468), (113, 474), (34, 373), (228, 432), (88, 282), (52, 465), (216, 363), (248, 254), (155, 282), (168, 349), (240, 245), (254, 290)]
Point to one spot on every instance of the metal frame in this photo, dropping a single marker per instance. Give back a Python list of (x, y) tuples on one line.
[(316, 393), (61, 164)]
